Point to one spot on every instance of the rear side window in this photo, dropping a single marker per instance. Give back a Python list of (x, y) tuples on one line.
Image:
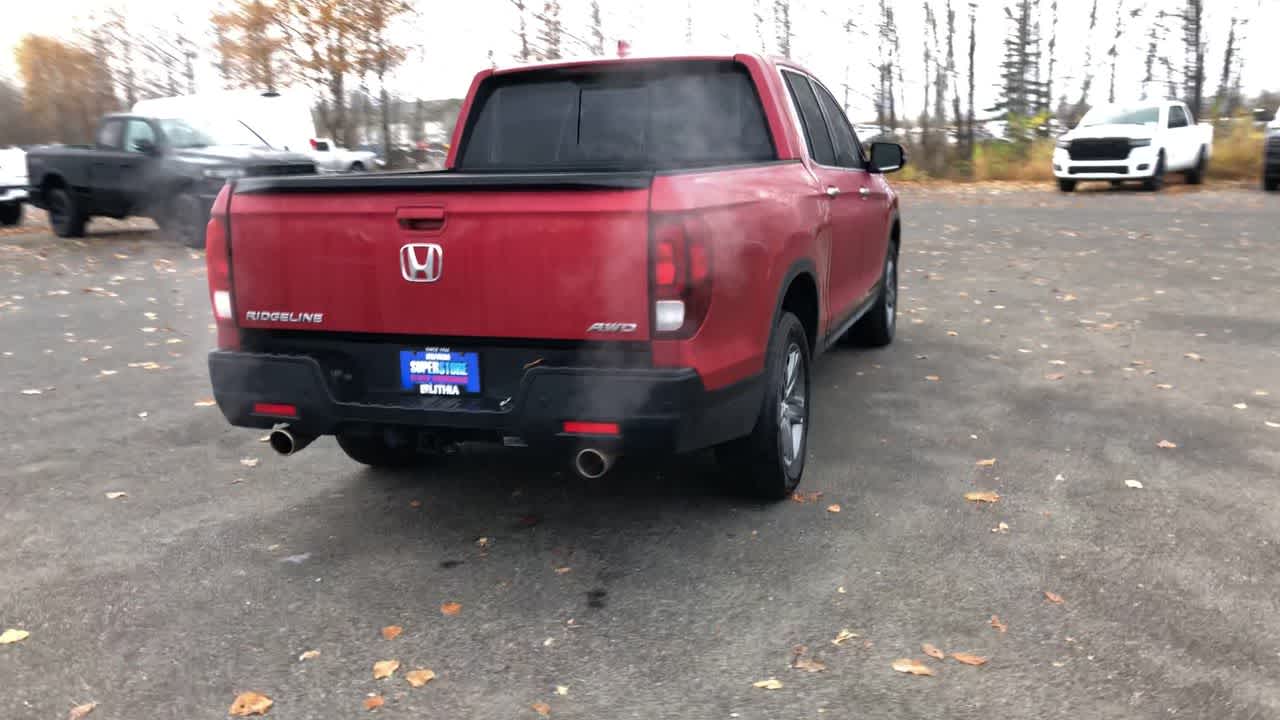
[(815, 127), (636, 117), (1177, 117), (109, 135)]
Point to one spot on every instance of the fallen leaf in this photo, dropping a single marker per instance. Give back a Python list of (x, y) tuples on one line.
[(541, 708), (80, 711), (770, 684), (309, 655), (969, 659), (1053, 597), (1164, 386), (1270, 424), (482, 542), (32, 391), (250, 461), (833, 508), (373, 702), (385, 668), (250, 703), (989, 462), (1193, 356), (1001, 528), (952, 333), (995, 623), (806, 497), (841, 590), (420, 677), (12, 636), (562, 689), (1260, 393), (264, 439), (391, 632), (415, 504), (932, 651), (205, 403), (1166, 445), (563, 570), (808, 664), (1054, 376), (1240, 406), (844, 636), (1135, 484), (451, 608), (932, 378), (117, 494), (984, 496), (914, 667)]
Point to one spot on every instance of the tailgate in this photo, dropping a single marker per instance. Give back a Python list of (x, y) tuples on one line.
[(460, 256)]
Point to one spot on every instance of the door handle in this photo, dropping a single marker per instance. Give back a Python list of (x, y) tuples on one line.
[(420, 219), (864, 192), (833, 191)]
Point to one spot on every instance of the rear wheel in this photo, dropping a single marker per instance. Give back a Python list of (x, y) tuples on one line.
[(1271, 183), (768, 463), (1067, 186), (65, 216), (382, 448), (1156, 181), (10, 214), (185, 220), (1195, 175), (357, 166)]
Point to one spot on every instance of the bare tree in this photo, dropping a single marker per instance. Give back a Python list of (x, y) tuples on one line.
[(551, 34), (758, 16), (1053, 52), (888, 44), (597, 29), (1087, 84), (951, 69), (1114, 52), (782, 25), (1155, 38), (523, 32), (1194, 46), (970, 140), (1225, 102)]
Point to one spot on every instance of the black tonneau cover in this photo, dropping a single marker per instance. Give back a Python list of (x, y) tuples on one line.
[(446, 180)]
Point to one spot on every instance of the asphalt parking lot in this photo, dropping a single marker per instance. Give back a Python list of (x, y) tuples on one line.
[(1057, 350)]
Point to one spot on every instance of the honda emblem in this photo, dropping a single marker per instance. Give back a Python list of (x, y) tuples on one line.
[(421, 262)]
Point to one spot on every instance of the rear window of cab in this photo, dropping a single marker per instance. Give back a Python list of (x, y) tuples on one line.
[(655, 116)]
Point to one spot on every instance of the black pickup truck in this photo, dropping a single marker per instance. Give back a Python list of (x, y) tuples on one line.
[(165, 169)]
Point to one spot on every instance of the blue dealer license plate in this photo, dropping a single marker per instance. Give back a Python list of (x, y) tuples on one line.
[(440, 371)]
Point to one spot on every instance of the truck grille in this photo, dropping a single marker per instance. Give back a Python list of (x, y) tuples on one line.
[(278, 170), (1100, 170), (1100, 149)]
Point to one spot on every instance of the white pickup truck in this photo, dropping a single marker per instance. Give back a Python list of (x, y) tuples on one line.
[(1141, 141), (13, 185)]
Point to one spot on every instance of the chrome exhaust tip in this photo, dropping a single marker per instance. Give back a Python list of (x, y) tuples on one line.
[(285, 442), (592, 464)]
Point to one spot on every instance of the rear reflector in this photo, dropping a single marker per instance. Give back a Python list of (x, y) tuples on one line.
[(574, 427), (276, 409)]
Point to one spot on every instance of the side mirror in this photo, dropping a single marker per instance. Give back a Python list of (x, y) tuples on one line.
[(887, 157), (144, 146)]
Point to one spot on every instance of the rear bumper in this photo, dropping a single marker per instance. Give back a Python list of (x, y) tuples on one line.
[(656, 409)]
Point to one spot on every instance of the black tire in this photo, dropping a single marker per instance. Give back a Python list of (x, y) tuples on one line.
[(1066, 186), (375, 447), (877, 327), (10, 214), (766, 465), (1195, 176), (357, 166), (1271, 183), (1117, 184), (1156, 181), (65, 216), (185, 220)]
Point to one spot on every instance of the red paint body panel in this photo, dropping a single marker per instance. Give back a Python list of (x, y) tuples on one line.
[(524, 264)]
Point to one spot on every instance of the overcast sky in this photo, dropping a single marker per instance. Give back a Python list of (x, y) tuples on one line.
[(453, 38)]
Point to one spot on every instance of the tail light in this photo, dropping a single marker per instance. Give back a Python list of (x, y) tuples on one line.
[(681, 275), (217, 257), (313, 143)]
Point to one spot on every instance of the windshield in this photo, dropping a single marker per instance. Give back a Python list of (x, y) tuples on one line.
[(1149, 115), (182, 133)]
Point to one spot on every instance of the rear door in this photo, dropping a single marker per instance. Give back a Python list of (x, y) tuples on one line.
[(137, 163), (106, 186), (1182, 138)]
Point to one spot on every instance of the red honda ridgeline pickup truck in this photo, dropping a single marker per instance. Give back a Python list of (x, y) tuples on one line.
[(622, 255)]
